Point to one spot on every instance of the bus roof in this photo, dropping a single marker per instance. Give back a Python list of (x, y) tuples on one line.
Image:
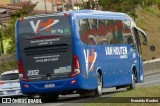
[(90, 14)]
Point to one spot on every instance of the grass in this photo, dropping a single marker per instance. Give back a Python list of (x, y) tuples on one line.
[(139, 92), (153, 10), (142, 24), (149, 19)]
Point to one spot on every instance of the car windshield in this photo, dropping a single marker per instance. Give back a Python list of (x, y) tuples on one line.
[(12, 76)]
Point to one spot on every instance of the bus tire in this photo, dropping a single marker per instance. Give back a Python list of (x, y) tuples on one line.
[(133, 84), (99, 85)]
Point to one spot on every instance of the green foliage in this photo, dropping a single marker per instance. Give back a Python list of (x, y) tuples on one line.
[(126, 6), (158, 3), (142, 24), (90, 4), (8, 31), (6, 66), (154, 11), (26, 10), (85, 5)]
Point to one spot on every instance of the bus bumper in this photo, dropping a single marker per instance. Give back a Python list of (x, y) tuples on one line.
[(141, 77), (58, 86)]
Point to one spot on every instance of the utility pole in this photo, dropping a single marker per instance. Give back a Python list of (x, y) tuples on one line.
[(72, 5), (62, 5), (52, 6), (45, 6), (90, 3)]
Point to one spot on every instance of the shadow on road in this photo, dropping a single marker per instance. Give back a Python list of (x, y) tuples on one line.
[(76, 98)]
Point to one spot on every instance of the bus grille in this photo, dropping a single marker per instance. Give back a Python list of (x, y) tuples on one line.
[(46, 49)]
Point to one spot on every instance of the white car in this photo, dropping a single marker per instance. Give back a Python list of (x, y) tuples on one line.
[(9, 84)]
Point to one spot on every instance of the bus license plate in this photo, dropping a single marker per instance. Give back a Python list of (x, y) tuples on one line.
[(49, 85)]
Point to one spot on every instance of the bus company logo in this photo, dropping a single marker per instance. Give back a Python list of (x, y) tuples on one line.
[(89, 60), (41, 25), (117, 51)]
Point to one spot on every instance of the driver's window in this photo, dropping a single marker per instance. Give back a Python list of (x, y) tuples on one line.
[(127, 34), (137, 39), (141, 38)]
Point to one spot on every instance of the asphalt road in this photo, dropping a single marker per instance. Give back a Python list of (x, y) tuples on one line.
[(75, 99)]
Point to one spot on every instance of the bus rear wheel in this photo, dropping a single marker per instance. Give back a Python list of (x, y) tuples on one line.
[(99, 85)]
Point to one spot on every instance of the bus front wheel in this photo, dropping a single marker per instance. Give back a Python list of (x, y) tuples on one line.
[(133, 84), (99, 85)]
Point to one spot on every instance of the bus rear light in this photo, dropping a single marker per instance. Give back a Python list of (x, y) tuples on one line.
[(75, 67), (66, 14), (75, 62), (21, 71)]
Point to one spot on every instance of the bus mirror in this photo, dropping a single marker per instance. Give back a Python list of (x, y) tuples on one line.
[(152, 48), (144, 42)]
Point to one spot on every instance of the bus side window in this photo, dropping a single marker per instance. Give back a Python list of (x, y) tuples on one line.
[(92, 34), (83, 30), (83, 26), (101, 23), (102, 32), (118, 32), (93, 24), (139, 40), (109, 33)]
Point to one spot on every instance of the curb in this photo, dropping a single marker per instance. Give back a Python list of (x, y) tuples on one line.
[(151, 67)]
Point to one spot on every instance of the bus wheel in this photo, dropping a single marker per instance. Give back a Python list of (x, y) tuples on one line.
[(133, 85), (99, 85)]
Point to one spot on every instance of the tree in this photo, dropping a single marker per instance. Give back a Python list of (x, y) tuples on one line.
[(90, 4), (158, 3), (8, 31), (126, 6)]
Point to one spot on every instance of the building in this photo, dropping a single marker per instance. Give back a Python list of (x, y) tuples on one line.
[(51, 6)]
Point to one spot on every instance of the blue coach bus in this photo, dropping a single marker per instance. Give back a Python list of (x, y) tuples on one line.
[(79, 51)]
